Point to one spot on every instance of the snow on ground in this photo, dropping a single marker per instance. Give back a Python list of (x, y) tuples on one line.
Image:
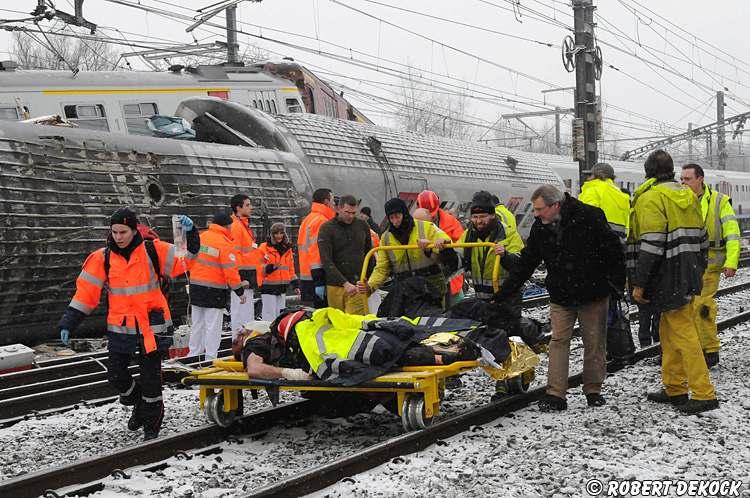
[(527, 454), (542, 454)]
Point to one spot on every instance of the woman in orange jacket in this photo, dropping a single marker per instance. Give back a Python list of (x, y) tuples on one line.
[(278, 272)]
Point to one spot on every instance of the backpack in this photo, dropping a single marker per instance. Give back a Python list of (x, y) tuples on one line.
[(620, 344), (149, 236)]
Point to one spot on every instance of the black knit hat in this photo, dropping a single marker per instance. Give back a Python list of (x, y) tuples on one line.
[(396, 205), (222, 218), (366, 210), (482, 203), (124, 216)]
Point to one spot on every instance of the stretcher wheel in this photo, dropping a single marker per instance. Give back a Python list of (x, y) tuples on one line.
[(412, 416), (215, 411)]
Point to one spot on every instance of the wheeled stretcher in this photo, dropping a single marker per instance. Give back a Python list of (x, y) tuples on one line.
[(418, 389)]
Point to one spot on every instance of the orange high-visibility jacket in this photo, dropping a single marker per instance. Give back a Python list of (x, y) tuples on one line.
[(307, 239), (133, 290), (278, 280), (453, 228), (244, 244), (374, 238), (449, 224), (216, 264)]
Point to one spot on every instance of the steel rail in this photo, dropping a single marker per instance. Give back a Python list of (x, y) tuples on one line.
[(317, 478), (92, 469)]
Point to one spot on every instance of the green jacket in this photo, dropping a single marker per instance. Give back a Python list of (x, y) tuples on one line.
[(669, 244), (615, 203), (480, 261), (722, 228)]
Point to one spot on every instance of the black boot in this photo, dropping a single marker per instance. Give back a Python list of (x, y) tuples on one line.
[(551, 403), (135, 421), (712, 359), (663, 397), (153, 414), (698, 406), (595, 399)]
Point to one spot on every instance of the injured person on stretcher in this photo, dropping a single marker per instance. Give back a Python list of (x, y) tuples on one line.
[(347, 350)]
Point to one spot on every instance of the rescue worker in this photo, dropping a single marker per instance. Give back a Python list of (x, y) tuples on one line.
[(278, 272), (213, 275), (138, 318), (584, 260), (365, 214), (504, 214), (312, 276), (404, 230), (248, 261), (723, 255), (343, 243), (668, 244), (486, 226), (600, 191), (448, 223)]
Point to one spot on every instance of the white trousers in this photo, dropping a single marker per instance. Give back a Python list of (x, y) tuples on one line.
[(373, 302), (241, 313), (272, 306), (205, 333)]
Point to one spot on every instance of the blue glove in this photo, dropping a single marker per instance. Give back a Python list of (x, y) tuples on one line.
[(186, 222), (65, 336), (320, 291)]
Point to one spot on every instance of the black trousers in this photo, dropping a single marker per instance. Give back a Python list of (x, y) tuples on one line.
[(146, 393)]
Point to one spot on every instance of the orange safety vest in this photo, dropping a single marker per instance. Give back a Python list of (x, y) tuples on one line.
[(374, 238), (284, 273), (453, 228), (244, 244), (133, 290), (307, 239), (216, 264)]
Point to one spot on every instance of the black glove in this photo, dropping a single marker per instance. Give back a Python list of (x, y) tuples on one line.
[(270, 268)]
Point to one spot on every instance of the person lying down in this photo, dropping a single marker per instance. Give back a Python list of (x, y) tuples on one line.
[(347, 350)]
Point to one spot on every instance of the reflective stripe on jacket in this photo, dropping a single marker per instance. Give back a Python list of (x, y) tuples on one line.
[(216, 265), (307, 239), (722, 228), (483, 258), (244, 244), (133, 290), (669, 242), (278, 280), (401, 261), (605, 195)]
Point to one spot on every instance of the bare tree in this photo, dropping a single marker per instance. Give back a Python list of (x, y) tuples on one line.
[(428, 111), (250, 55), (35, 52)]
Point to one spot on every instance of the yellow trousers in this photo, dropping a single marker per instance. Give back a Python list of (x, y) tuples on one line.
[(339, 299), (683, 367), (705, 310)]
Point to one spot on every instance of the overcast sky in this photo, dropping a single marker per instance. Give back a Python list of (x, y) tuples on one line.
[(643, 98)]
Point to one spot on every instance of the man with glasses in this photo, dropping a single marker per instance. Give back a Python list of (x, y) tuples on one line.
[(723, 255), (585, 264)]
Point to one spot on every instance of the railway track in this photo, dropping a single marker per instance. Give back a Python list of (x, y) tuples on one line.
[(61, 385), (149, 456)]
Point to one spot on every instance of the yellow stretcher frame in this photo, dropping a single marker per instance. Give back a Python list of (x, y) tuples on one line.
[(418, 389), (451, 245)]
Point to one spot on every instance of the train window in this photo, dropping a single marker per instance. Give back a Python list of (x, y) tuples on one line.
[(136, 115), (91, 116), (293, 106), (568, 183), (9, 113), (273, 107)]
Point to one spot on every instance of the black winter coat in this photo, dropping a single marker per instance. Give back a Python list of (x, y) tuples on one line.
[(585, 259)]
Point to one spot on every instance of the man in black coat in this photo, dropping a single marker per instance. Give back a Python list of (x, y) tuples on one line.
[(585, 265)]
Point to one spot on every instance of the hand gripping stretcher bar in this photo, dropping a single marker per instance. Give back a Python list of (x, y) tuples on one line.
[(452, 245)]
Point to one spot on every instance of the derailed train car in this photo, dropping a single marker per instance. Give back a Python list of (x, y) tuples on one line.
[(58, 187)]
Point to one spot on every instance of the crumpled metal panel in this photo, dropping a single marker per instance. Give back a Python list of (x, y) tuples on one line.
[(332, 143), (58, 188)]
